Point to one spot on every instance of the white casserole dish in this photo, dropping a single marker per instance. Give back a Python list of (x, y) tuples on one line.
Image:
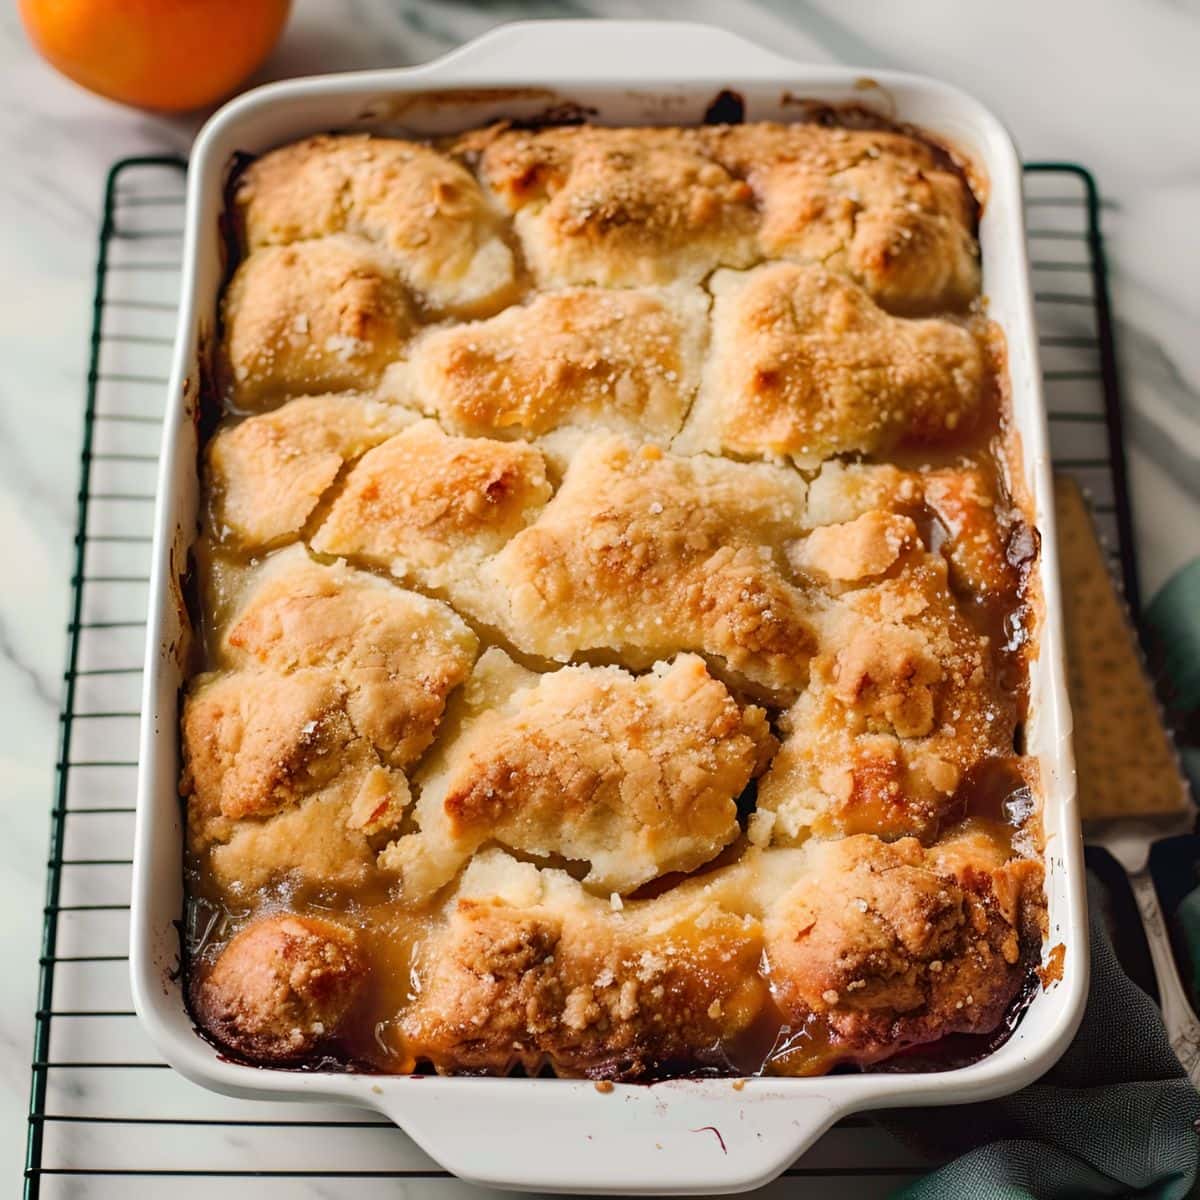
[(565, 1135)]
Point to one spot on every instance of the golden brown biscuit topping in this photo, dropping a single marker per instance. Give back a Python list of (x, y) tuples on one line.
[(557, 976), (267, 474), (619, 207), (332, 683), (397, 654), (429, 507), (614, 610), (283, 985), (650, 554), (883, 944), (425, 212), (805, 364), (314, 317), (596, 357), (883, 208), (635, 776)]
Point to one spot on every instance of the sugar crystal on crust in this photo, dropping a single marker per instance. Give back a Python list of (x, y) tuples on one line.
[(625, 359), (634, 776), (651, 554), (321, 316), (425, 213)]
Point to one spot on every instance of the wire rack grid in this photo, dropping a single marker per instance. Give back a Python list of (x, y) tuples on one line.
[(107, 1117)]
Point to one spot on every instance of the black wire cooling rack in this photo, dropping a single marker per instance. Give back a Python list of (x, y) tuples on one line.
[(107, 1118)]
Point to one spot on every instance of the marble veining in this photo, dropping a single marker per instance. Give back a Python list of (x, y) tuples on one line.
[(1119, 94)]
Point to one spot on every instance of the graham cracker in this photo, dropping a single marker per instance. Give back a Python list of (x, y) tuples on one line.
[(1125, 761)]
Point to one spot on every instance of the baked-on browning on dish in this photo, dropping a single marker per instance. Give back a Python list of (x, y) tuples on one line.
[(615, 611)]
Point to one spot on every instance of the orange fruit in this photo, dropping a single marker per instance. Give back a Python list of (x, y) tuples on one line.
[(170, 55)]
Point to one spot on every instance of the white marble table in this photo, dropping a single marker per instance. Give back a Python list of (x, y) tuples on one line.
[(1119, 93)]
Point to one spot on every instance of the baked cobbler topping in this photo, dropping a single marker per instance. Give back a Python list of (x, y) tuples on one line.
[(614, 611)]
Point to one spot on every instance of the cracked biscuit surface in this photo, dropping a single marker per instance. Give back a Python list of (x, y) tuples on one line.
[(431, 507), (278, 783), (267, 474), (634, 776), (332, 683), (397, 653), (652, 554), (615, 606), (627, 360), (424, 211), (902, 701)]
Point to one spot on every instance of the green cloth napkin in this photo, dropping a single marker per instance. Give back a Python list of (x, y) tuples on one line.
[(1189, 920), (1173, 620), (1113, 1118)]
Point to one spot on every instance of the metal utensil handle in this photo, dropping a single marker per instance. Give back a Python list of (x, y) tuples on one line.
[(1183, 1026)]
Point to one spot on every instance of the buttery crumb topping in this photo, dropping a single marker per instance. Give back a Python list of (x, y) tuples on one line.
[(614, 610)]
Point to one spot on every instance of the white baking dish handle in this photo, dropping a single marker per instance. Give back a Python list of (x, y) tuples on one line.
[(658, 50), (683, 1137)]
